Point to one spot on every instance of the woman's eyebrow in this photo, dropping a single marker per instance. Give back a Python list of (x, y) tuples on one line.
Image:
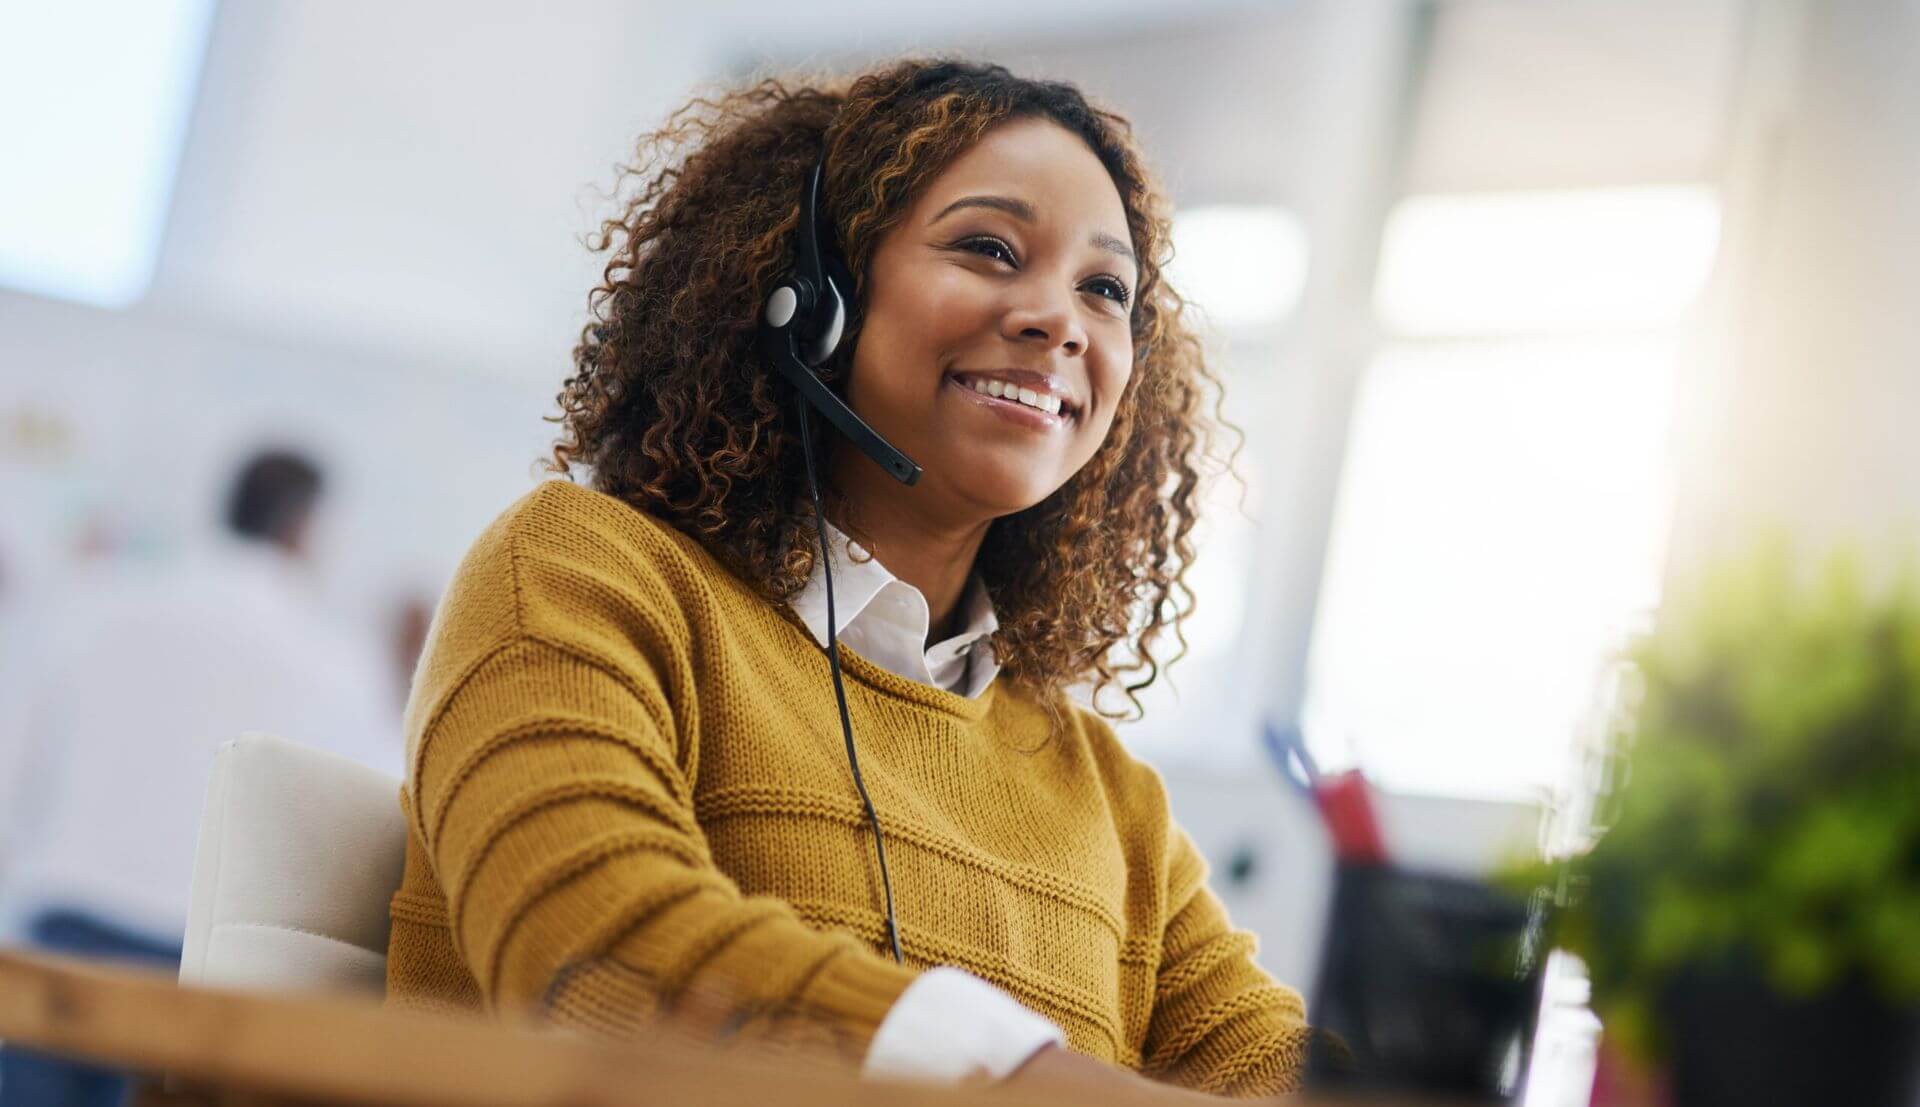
[(1112, 245), (1023, 211), (1019, 209)]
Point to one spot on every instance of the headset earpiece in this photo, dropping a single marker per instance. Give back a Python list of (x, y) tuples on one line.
[(804, 321), (830, 321)]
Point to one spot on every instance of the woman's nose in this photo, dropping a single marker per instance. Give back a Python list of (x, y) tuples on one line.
[(1047, 318)]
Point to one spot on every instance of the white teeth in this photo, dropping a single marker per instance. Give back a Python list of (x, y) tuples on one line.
[(1001, 390)]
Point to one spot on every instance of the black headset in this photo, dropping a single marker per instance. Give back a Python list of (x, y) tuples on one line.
[(801, 326)]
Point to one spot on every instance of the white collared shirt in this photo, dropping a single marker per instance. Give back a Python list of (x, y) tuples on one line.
[(948, 1024), (885, 620)]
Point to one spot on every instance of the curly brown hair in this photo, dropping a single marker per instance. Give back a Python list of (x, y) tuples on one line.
[(674, 410)]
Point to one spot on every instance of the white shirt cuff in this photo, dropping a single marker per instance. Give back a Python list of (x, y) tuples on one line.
[(950, 1025)]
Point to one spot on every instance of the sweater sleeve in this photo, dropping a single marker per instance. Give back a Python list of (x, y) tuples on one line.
[(1220, 1023), (551, 785)]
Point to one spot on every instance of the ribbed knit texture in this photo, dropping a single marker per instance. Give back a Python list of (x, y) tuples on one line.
[(631, 811)]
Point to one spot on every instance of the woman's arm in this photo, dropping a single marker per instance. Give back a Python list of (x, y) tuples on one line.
[(579, 885), (550, 780), (1220, 1023)]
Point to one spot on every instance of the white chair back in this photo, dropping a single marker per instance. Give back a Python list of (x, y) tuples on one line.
[(299, 853)]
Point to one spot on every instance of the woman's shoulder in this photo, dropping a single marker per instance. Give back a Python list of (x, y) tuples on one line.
[(565, 572), (559, 518), (563, 557), (559, 527), (1133, 785)]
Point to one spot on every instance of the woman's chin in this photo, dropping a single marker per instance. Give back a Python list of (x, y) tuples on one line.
[(995, 494)]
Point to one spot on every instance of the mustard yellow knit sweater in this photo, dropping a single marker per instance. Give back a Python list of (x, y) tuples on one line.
[(630, 807)]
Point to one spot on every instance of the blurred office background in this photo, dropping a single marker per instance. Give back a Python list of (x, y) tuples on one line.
[(1525, 306)]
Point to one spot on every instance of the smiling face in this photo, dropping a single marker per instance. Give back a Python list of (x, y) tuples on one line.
[(996, 336)]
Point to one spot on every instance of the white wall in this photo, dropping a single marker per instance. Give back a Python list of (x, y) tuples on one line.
[(1802, 418), (154, 414)]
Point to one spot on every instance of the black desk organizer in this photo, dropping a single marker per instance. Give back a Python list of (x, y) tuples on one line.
[(1428, 983)]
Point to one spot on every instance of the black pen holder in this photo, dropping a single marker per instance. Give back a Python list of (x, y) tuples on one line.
[(1429, 983)]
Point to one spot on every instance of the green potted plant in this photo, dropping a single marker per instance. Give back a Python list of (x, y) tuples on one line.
[(1751, 917)]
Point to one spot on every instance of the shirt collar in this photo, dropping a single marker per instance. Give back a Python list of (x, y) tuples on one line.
[(885, 620)]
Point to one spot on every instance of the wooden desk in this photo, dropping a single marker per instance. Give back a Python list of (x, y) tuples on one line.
[(261, 1048)]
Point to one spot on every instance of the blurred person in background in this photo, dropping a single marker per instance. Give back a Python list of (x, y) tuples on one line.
[(108, 729)]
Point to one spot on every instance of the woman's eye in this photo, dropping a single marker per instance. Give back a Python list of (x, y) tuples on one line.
[(1112, 289), (989, 247)]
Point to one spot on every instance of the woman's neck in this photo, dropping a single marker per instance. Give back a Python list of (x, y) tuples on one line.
[(932, 554)]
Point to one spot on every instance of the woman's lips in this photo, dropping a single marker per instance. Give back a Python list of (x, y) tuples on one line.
[(1050, 386), (1011, 410)]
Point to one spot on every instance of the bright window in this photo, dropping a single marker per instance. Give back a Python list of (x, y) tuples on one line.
[(1502, 518), (1546, 262), (94, 100), (1242, 265)]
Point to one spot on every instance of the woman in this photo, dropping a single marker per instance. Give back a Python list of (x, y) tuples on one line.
[(630, 801)]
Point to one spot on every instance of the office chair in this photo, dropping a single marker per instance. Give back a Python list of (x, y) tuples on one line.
[(298, 855)]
